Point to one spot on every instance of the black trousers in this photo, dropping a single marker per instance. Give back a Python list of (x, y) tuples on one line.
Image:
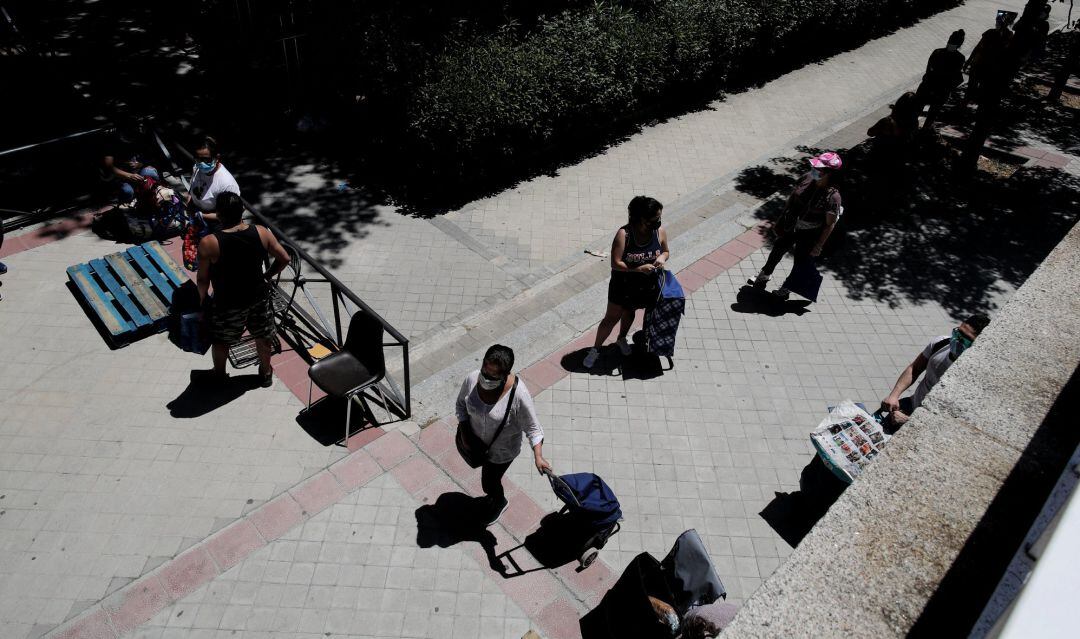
[(491, 480), (801, 241)]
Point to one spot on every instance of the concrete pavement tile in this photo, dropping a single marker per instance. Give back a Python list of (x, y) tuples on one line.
[(277, 516), (317, 493), (183, 575), (234, 543), (391, 449)]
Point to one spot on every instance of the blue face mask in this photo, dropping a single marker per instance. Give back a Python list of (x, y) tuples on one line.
[(205, 167)]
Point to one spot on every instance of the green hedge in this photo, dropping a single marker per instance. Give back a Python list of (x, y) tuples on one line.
[(493, 99)]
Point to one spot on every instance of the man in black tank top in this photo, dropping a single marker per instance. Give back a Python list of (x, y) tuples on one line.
[(231, 261)]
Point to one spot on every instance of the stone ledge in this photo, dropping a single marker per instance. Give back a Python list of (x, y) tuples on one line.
[(883, 551)]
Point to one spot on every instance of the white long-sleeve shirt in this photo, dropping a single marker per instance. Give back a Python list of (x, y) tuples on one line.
[(484, 419)]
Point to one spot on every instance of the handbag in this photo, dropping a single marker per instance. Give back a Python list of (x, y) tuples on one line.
[(804, 279), (473, 449)]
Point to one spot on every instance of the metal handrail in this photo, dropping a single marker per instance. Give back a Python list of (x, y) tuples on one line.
[(338, 292)]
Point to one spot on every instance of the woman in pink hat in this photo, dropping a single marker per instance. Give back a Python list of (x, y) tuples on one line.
[(809, 216)]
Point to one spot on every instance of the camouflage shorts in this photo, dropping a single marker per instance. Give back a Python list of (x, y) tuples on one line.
[(227, 324)]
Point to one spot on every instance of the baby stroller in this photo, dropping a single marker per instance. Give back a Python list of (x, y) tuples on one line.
[(593, 507)]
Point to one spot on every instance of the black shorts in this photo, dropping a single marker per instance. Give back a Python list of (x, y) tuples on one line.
[(227, 324), (633, 290)]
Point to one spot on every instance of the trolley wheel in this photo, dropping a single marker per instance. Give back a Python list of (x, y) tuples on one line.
[(588, 559)]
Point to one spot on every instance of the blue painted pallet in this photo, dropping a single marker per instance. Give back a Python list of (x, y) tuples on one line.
[(130, 292)]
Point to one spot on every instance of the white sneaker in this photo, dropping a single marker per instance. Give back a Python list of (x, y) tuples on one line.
[(591, 357), (624, 347), (782, 293)]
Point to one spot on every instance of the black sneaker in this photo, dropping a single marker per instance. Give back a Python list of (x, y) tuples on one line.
[(496, 509), (266, 380)]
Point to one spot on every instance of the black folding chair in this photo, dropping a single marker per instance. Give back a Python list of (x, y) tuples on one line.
[(359, 365)]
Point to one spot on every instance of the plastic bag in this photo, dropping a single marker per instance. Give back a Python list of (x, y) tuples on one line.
[(848, 439)]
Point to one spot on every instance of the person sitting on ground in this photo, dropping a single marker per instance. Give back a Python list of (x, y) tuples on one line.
[(210, 180), (944, 72), (481, 406), (123, 166), (934, 360), (638, 252), (897, 128), (231, 261), (808, 219)]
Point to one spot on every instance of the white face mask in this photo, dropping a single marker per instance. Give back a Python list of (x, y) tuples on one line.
[(489, 384)]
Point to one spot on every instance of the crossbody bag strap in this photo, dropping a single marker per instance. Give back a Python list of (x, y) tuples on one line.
[(506, 415)]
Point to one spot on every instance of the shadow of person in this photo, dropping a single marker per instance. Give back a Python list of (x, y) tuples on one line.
[(758, 301), (607, 364), (792, 515), (199, 399), (452, 519)]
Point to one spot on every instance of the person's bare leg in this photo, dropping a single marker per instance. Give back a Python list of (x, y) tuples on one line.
[(612, 317), (264, 350), (220, 354), (625, 322)]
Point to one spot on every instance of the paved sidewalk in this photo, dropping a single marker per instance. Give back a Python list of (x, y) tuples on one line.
[(496, 248), (124, 508)]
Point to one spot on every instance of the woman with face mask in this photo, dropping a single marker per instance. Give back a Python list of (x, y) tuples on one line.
[(638, 252), (943, 74), (210, 180), (808, 219), (497, 411)]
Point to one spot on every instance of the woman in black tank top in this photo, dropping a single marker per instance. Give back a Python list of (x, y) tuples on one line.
[(638, 252), (237, 275)]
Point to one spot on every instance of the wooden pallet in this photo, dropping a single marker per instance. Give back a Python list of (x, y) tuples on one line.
[(129, 292)]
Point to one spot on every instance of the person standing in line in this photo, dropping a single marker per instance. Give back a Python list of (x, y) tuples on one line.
[(210, 180), (808, 219), (231, 260), (486, 396), (638, 252), (944, 72)]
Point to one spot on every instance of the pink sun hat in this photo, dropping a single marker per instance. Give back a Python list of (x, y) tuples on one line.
[(827, 160)]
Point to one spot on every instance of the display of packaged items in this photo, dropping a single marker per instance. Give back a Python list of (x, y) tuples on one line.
[(848, 439)]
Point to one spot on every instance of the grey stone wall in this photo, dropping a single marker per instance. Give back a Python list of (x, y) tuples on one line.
[(946, 483)]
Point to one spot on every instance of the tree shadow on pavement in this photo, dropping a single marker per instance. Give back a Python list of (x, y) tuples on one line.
[(914, 232), (792, 515), (452, 519), (199, 399), (306, 194)]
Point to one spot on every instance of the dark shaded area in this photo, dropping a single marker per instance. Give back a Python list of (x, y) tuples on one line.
[(455, 518), (960, 598), (914, 230), (325, 420), (199, 399), (792, 515), (758, 301), (284, 84)]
